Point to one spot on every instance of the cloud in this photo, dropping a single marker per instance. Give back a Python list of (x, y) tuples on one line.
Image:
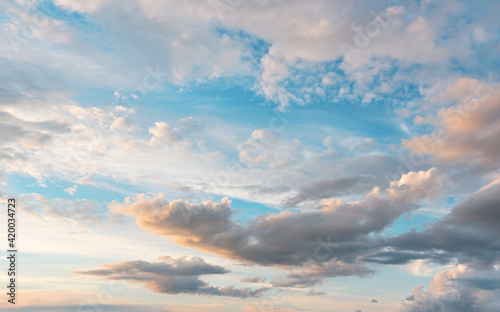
[(101, 140), (163, 131), (312, 274), (287, 53), (71, 190), (469, 233), (68, 142), (466, 133), (332, 188), (104, 307), (28, 134), (121, 124), (312, 292), (80, 212), (254, 279), (286, 238), (199, 52), (181, 275), (263, 149), (457, 290)]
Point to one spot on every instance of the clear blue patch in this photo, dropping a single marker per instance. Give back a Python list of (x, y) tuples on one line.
[(247, 211), (49, 9), (406, 223)]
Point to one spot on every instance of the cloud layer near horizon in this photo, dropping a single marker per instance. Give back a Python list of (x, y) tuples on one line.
[(173, 276)]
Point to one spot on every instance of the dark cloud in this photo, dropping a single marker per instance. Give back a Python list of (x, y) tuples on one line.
[(337, 239), (480, 283), (470, 233), (404, 257), (177, 276), (287, 238)]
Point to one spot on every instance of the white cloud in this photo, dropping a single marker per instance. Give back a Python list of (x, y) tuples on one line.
[(71, 190)]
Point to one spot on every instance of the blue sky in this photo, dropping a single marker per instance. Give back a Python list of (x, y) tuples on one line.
[(252, 155)]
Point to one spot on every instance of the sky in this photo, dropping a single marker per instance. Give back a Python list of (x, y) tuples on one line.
[(252, 155)]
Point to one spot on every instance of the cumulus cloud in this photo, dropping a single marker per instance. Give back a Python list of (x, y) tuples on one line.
[(288, 52), (287, 238), (196, 51), (316, 34), (176, 276), (163, 132), (458, 290)]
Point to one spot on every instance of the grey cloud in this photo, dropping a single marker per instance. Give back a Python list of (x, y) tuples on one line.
[(22, 141), (459, 290), (398, 257), (176, 276), (286, 238), (254, 279), (312, 274), (340, 230), (256, 190), (25, 80), (486, 283), (468, 133), (82, 212), (470, 233), (325, 188), (28, 133), (312, 292)]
